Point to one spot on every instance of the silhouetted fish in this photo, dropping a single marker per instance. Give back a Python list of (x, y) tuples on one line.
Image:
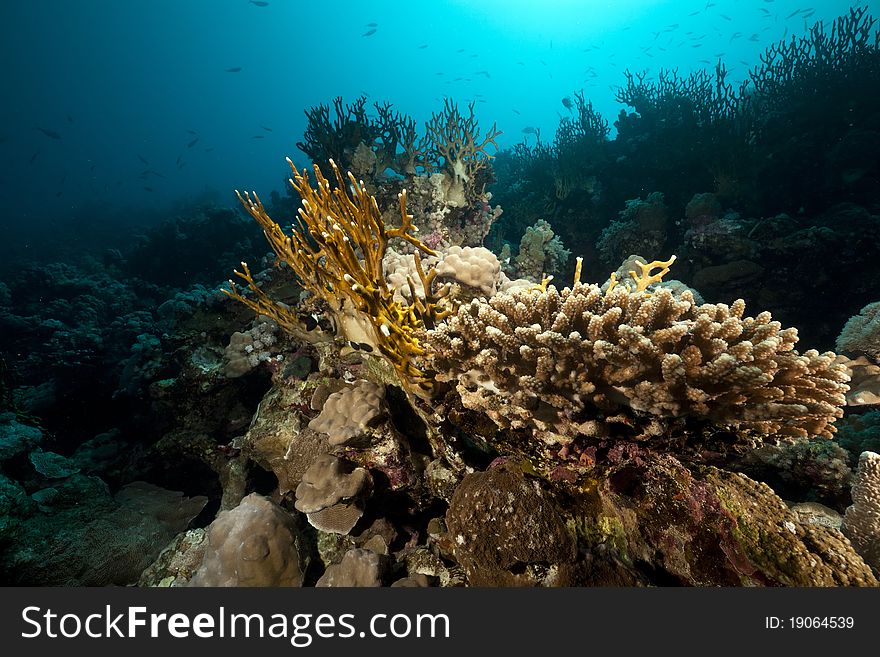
[(208, 150), (193, 143), (266, 129), (258, 137), (34, 157), (515, 111), (192, 132), (794, 13), (369, 32), (529, 130), (423, 46), (234, 69), (725, 17), (143, 159), (49, 133), (372, 25), (259, 3), (148, 189), (69, 118), (566, 102)]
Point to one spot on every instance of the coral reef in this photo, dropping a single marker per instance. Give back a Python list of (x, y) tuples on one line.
[(861, 524), (254, 544), (573, 362)]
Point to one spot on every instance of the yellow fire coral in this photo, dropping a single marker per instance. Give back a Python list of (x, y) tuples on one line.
[(336, 251)]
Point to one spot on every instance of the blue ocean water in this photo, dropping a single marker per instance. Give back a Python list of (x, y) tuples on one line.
[(119, 111)]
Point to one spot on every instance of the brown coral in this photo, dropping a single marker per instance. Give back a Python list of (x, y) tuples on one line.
[(566, 363)]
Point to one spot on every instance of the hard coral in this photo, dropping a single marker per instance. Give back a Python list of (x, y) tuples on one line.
[(568, 363), (337, 252), (861, 524)]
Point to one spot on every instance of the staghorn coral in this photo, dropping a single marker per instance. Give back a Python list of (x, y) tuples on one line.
[(569, 362), (457, 143)]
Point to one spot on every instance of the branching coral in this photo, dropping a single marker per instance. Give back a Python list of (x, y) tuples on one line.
[(336, 251), (456, 141), (571, 362), (861, 524)]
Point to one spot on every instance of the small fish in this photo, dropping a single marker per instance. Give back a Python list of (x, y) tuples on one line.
[(142, 159), (58, 194), (266, 129), (809, 12), (486, 73), (179, 159), (34, 157), (566, 102), (193, 143), (529, 130), (49, 133), (259, 3), (234, 69), (258, 137), (148, 189), (794, 13), (358, 346), (515, 112), (694, 13), (69, 118), (754, 37), (181, 165), (725, 17), (423, 46), (460, 50), (369, 32), (192, 132), (372, 25), (208, 150)]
